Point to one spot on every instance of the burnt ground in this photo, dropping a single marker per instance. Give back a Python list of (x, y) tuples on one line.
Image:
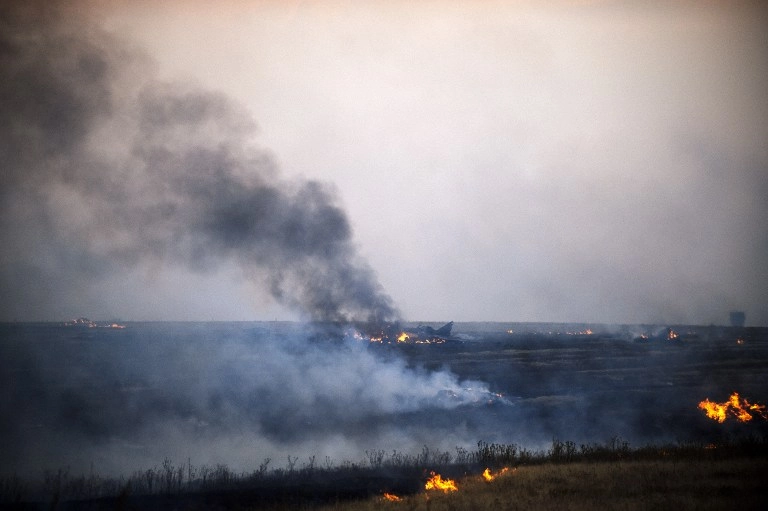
[(591, 387), (555, 382)]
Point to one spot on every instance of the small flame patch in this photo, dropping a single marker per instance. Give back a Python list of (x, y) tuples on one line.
[(436, 482), (488, 476), (391, 497)]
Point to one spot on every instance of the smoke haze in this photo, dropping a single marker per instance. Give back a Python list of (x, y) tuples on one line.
[(217, 392)]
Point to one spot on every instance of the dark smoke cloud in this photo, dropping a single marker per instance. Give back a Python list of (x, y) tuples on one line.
[(108, 169)]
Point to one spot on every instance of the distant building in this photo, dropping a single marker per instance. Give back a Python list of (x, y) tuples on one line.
[(738, 318)]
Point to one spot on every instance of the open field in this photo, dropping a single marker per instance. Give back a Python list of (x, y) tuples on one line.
[(243, 415), (654, 484), (566, 476), (564, 383)]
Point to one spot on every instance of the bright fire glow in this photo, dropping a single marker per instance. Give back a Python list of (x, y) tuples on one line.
[(739, 407), (391, 497), (672, 335), (490, 477), (436, 482), (403, 337), (714, 411), (586, 331)]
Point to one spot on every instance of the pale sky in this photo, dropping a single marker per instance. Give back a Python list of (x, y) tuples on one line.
[(599, 161)]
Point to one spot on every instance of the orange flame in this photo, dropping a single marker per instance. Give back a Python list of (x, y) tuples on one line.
[(403, 337), (436, 482), (714, 411), (391, 497), (739, 407), (490, 477)]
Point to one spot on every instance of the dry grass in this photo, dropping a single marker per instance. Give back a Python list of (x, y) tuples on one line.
[(730, 475), (622, 485)]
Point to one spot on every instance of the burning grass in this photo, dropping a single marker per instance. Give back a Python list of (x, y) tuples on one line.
[(488, 476), (437, 483), (736, 406), (685, 484), (494, 476)]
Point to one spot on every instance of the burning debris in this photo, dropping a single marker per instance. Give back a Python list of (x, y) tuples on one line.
[(738, 407), (436, 482), (392, 333), (667, 334)]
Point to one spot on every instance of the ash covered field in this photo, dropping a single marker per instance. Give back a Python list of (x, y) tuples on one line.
[(116, 400)]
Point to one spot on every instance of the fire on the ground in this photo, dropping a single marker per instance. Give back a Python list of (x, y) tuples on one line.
[(736, 406)]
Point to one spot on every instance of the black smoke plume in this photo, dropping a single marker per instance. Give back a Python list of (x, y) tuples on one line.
[(107, 168)]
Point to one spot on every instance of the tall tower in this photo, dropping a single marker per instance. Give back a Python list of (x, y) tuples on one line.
[(738, 318)]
